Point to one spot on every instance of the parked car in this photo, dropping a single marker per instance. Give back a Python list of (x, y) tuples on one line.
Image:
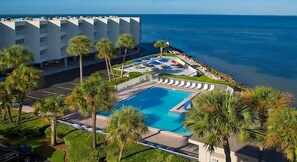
[(15, 153)]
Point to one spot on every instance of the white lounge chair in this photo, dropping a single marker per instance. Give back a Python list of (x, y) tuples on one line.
[(182, 83), (199, 86), (165, 81), (188, 84), (171, 82), (160, 80), (194, 84), (211, 88), (176, 83), (205, 87)]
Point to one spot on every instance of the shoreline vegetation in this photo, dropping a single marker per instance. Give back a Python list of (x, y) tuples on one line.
[(206, 69)]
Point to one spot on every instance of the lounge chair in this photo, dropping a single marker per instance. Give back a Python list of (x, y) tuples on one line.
[(211, 87), (165, 81), (194, 84), (205, 87), (171, 82), (188, 84), (182, 83), (199, 86), (176, 83), (160, 80)]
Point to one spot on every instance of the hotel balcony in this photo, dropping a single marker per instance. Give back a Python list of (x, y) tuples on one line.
[(63, 42), (63, 31), (20, 34), (43, 45), (43, 57)]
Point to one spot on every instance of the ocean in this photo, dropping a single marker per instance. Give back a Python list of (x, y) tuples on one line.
[(254, 50)]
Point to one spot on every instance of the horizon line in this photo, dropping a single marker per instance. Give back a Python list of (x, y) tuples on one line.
[(151, 14)]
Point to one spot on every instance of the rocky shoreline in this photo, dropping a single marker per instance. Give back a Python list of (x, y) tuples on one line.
[(205, 69)]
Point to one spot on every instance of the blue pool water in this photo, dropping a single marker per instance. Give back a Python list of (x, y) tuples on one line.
[(155, 104)]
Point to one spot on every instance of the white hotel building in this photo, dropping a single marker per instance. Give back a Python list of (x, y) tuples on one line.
[(47, 38)]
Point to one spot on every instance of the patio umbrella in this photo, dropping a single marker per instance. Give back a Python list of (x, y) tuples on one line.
[(154, 63), (163, 60), (152, 56), (136, 61), (145, 59)]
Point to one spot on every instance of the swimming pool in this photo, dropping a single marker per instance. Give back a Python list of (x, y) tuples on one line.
[(155, 104)]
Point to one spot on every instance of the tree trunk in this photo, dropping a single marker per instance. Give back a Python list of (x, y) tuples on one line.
[(161, 50), (53, 128), (111, 70), (121, 152), (107, 68), (4, 115), (94, 128), (80, 68), (19, 113), (9, 114), (226, 149), (124, 59), (260, 149)]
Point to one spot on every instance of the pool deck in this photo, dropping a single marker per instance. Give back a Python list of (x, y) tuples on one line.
[(175, 141), (178, 143)]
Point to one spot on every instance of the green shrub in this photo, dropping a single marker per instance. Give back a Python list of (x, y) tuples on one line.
[(80, 149), (134, 74), (118, 80), (30, 126), (116, 71)]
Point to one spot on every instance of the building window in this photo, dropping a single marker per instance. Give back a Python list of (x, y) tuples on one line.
[(20, 41), (214, 160)]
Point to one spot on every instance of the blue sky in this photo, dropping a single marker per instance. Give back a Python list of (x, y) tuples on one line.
[(246, 7)]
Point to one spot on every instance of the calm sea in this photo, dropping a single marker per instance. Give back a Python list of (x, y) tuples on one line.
[(255, 50)]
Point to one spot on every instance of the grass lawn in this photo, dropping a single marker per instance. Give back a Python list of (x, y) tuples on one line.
[(28, 132)]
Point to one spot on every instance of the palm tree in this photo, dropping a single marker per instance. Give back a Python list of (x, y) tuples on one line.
[(106, 50), (261, 100), (127, 41), (281, 132), (92, 96), (215, 117), (160, 44), (23, 79), (15, 56), (125, 126), (51, 107), (5, 101), (79, 45)]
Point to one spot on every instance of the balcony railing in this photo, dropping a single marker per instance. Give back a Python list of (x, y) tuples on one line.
[(43, 31), (19, 32), (44, 43)]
